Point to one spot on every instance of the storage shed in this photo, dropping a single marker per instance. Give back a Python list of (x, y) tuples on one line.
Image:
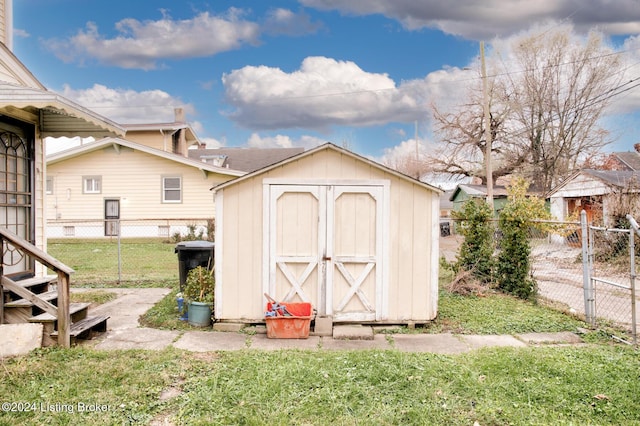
[(357, 240)]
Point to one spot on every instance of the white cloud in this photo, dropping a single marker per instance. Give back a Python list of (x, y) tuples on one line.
[(53, 145), (127, 106), (212, 142), (489, 18), (324, 92), (142, 44), (283, 141), (285, 22)]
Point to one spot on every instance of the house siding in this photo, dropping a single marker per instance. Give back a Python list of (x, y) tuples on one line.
[(153, 139), (133, 177), (410, 263)]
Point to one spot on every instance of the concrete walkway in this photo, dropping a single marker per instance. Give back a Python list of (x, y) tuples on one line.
[(124, 332)]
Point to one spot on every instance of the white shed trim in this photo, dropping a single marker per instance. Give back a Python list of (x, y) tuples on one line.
[(217, 260)]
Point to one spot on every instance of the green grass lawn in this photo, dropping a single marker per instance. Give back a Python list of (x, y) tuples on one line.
[(597, 383), (594, 385), (143, 262)]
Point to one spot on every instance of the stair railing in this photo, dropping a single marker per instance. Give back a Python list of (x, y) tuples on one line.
[(61, 312)]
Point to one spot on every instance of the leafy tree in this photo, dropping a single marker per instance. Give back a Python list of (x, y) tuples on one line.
[(476, 251)]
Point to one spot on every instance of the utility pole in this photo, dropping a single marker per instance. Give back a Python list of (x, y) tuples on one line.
[(487, 129)]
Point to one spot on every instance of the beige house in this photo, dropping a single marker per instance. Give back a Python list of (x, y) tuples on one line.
[(175, 137), (357, 240), (148, 191)]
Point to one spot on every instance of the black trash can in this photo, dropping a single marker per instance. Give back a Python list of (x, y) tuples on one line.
[(445, 229), (192, 254)]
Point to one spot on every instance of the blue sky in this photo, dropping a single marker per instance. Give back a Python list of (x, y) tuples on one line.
[(356, 73)]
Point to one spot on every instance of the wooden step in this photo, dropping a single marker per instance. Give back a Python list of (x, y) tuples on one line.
[(19, 311), (49, 296), (83, 328), (35, 285), (77, 311)]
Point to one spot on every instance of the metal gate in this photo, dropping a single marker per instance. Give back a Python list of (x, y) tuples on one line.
[(610, 269)]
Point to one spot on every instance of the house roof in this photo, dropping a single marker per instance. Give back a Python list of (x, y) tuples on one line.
[(613, 178), (324, 147), (117, 143), (58, 116), (23, 96), (631, 159), (245, 159), (478, 191)]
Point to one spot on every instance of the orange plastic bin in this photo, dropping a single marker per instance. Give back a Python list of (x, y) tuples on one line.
[(295, 326)]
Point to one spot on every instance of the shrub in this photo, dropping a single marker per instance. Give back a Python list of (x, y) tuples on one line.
[(476, 251), (514, 264), (200, 285)]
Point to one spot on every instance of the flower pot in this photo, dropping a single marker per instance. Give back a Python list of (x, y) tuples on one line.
[(199, 314)]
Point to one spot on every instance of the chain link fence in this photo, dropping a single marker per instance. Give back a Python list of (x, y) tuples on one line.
[(124, 252), (595, 281), (612, 268)]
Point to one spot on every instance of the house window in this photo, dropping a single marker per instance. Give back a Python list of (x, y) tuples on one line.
[(49, 187), (163, 231), (91, 184), (171, 189)]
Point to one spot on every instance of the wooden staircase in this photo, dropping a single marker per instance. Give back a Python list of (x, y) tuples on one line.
[(45, 299)]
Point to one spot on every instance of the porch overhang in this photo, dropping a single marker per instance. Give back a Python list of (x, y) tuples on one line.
[(56, 115)]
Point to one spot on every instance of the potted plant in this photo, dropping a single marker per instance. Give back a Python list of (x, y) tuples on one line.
[(199, 293)]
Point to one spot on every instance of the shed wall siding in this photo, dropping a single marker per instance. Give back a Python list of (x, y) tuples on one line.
[(133, 177), (410, 266)]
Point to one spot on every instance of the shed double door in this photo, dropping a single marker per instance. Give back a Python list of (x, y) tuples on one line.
[(325, 247)]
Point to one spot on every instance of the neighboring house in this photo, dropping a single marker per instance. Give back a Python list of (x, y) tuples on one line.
[(357, 240), (621, 161), (150, 192), (244, 159), (464, 192), (175, 137), (597, 192)]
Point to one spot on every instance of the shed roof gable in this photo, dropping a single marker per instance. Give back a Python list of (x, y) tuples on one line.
[(326, 147)]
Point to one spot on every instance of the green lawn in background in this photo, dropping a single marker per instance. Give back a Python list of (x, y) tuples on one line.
[(143, 262)]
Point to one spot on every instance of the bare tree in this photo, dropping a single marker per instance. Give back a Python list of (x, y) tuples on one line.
[(557, 99), (545, 99), (464, 146)]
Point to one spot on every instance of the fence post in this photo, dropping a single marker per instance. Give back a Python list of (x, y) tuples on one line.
[(119, 253), (587, 285), (632, 283)]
